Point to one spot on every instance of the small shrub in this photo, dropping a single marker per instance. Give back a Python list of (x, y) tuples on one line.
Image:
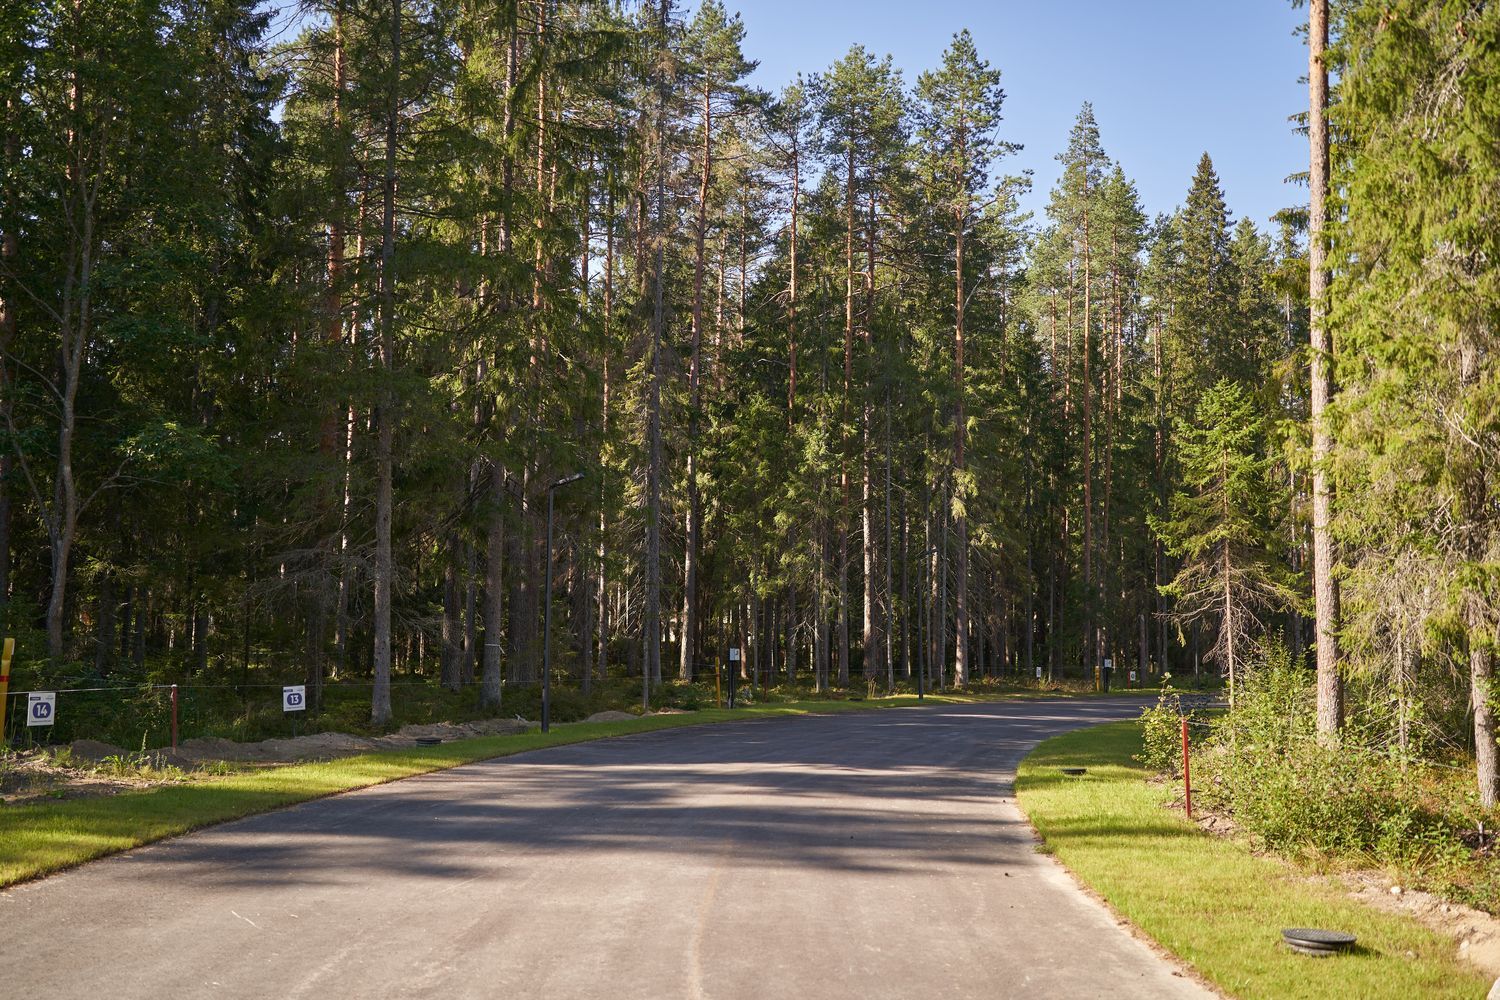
[(1161, 726), (64, 757), (145, 766)]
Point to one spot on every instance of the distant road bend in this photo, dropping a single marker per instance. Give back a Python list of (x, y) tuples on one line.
[(869, 855)]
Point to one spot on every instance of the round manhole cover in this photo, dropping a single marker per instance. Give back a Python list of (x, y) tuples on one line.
[(1311, 941), (429, 741), (1075, 771)]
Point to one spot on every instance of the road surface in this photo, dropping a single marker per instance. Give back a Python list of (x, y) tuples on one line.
[(870, 855)]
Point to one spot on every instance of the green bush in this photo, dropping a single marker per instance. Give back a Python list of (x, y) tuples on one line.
[(1265, 767), (1161, 727)]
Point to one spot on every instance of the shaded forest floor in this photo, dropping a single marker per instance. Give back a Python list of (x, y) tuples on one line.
[(118, 718)]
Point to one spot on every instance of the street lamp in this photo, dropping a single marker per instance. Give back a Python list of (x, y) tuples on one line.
[(547, 612)]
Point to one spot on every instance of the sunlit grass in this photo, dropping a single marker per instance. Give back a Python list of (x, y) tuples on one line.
[(1209, 900)]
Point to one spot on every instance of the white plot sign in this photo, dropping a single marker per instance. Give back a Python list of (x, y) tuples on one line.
[(41, 708), (294, 698), (734, 654)]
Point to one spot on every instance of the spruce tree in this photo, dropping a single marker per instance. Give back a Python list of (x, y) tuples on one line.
[(1415, 303), (1223, 525)]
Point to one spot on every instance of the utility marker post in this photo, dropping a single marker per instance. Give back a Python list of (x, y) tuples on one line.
[(293, 699), (1187, 779)]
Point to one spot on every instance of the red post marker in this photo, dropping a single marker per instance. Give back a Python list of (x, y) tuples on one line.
[(174, 720), (1187, 780)]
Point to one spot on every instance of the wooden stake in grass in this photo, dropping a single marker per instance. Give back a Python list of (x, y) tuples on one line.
[(10, 648)]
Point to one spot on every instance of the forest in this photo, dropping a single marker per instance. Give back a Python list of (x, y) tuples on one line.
[(309, 318)]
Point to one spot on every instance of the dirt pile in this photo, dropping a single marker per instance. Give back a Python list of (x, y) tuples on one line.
[(611, 716), (1477, 933), (329, 746), (94, 750), (455, 731)]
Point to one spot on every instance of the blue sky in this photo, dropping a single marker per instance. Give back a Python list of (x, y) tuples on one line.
[(1169, 79)]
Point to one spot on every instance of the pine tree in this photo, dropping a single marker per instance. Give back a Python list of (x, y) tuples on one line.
[(717, 66), (961, 111), (862, 114)]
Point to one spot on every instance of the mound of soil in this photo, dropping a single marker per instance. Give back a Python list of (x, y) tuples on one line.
[(94, 750), (1477, 932), (455, 731), (611, 716), (316, 746), (328, 746)]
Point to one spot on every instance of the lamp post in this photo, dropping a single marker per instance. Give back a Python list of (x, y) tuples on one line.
[(547, 611)]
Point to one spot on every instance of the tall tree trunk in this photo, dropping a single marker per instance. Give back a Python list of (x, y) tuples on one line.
[(791, 332), (1090, 606), (820, 611), (471, 609), (1482, 698), (651, 631), (609, 287), (890, 599), (695, 402), (10, 248), (960, 428), (1325, 587), (494, 591), (1229, 625), (452, 664), (385, 418), (945, 556), (791, 635)]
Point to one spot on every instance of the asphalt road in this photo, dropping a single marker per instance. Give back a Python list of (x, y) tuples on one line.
[(871, 855)]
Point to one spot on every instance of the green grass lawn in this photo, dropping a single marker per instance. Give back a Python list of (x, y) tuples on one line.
[(44, 837), (1209, 900)]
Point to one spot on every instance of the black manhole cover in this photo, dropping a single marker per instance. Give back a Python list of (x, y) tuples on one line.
[(1075, 771), (429, 741), (1310, 941)]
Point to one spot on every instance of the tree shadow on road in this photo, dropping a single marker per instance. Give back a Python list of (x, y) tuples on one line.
[(896, 793)]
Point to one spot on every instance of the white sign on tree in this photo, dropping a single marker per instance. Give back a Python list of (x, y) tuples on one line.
[(41, 708), (294, 698)]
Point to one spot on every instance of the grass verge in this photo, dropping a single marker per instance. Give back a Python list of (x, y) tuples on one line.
[(45, 837), (1211, 901)]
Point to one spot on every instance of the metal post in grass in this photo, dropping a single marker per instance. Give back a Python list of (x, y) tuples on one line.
[(547, 610), (1187, 780), (174, 718)]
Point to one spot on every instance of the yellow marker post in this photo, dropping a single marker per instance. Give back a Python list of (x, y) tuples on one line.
[(10, 649)]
